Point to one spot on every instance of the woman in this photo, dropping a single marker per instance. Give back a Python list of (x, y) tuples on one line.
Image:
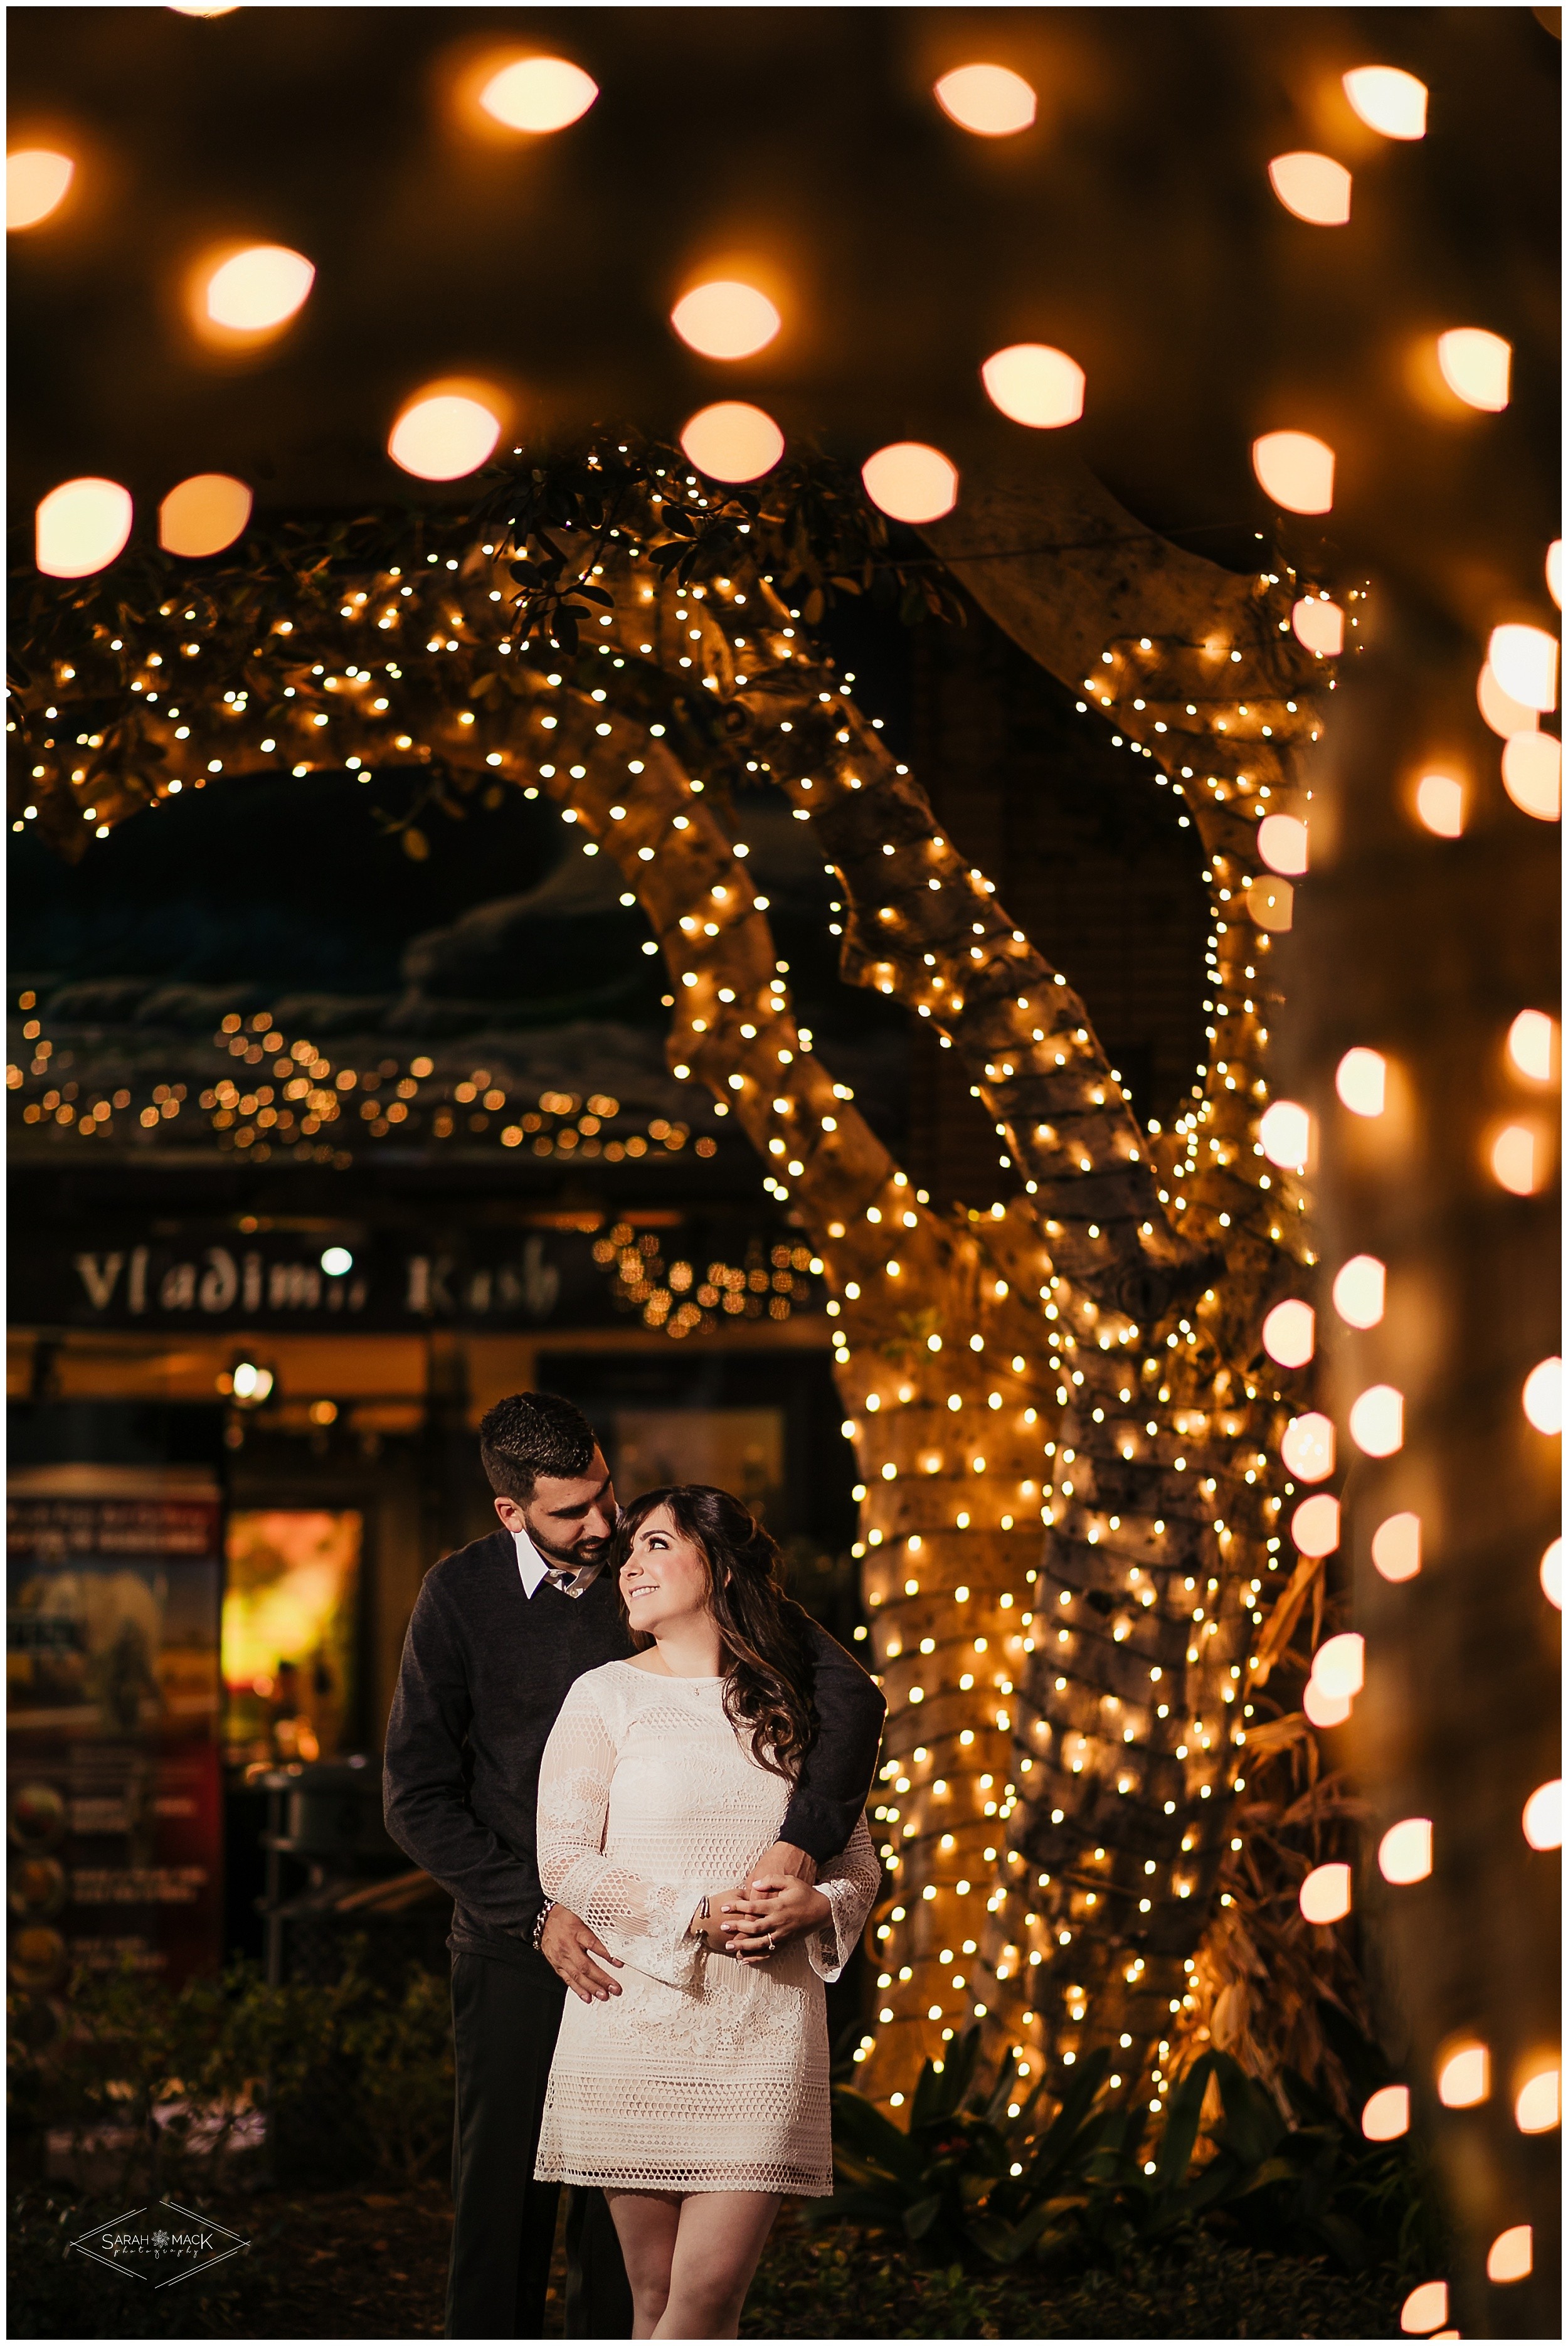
[(698, 2097)]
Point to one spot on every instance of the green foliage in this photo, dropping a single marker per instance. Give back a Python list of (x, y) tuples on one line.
[(947, 2183), (963, 2183), (352, 2078)]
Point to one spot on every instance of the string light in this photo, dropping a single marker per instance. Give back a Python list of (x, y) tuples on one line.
[(1062, 1380)]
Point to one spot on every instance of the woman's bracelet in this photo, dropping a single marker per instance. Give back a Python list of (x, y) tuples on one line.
[(695, 1932)]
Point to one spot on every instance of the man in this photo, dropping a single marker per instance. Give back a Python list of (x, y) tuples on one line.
[(499, 1631)]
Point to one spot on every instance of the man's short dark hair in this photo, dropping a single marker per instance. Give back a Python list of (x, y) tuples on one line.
[(532, 1434)]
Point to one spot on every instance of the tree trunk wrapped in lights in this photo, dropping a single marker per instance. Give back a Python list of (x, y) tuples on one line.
[(1066, 1431)]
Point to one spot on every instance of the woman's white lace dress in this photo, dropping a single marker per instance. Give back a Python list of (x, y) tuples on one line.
[(704, 2073)]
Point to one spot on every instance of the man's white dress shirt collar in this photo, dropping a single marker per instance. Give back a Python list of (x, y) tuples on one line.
[(533, 1568)]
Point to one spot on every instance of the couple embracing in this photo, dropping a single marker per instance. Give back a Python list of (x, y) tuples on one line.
[(640, 1771)]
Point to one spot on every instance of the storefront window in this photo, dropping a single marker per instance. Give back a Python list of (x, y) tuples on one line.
[(291, 1610)]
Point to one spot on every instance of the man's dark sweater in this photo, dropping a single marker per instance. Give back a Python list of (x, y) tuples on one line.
[(485, 1669)]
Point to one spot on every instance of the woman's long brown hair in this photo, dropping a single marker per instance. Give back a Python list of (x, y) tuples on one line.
[(768, 1676)]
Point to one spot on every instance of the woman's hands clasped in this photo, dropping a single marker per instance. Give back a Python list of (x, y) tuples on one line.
[(770, 1909)]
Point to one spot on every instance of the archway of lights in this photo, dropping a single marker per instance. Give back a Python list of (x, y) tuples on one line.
[(1073, 1508)]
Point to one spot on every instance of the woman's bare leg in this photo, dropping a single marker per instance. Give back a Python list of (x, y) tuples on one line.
[(720, 2236), (646, 2223)]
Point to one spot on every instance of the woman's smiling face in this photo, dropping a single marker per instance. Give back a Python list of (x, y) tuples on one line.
[(665, 1579)]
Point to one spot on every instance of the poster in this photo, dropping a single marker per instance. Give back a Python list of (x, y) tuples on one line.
[(114, 1804)]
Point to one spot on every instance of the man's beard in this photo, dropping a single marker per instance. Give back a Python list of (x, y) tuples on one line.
[(570, 1559)]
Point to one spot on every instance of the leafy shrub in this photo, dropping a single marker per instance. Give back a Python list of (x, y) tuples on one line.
[(350, 2079), (964, 2184)]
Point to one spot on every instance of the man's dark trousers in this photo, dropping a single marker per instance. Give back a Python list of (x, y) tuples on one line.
[(505, 2020)]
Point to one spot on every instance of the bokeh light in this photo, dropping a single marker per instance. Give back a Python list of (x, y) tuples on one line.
[(1512, 2256), (258, 289), (1289, 1333), (1034, 384), (1319, 625), (732, 441), (1296, 470), (1285, 1132), (81, 526), (991, 100), (1440, 804), (1377, 1420), (1464, 2076), (911, 482), (1538, 2104), (1389, 100), (1542, 1396), (1282, 843), (1405, 1851), (1387, 2114), (1315, 1525), (726, 319), (1323, 1709), (1525, 661), (37, 182), (1505, 715), (1359, 1292), (1339, 1664), (1426, 2308), (1307, 1446), (1397, 1547), (1325, 1895), (1543, 1818), (538, 93), (441, 436), (1532, 775), (1314, 187), (1533, 1045), (203, 515), (1361, 1080), (1519, 1159), (1475, 366)]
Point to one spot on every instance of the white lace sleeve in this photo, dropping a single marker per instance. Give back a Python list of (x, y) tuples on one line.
[(849, 1883), (643, 1923)]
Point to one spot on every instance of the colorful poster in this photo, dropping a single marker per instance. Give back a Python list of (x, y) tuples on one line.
[(290, 1609), (114, 1806)]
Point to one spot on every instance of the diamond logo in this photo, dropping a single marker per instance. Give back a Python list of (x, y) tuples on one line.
[(159, 2245)]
